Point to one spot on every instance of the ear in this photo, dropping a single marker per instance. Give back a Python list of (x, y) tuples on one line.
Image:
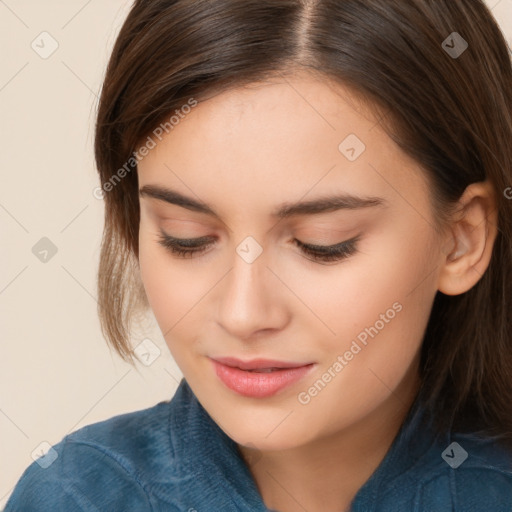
[(470, 241)]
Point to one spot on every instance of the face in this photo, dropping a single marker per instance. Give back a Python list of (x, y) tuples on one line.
[(262, 285)]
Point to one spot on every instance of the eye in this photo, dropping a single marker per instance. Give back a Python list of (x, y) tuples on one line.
[(184, 247), (327, 253), (187, 247)]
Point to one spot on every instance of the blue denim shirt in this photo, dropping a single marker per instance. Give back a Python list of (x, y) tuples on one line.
[(173, 457)]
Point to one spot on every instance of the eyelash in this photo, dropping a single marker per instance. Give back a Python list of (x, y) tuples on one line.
[(186, 248)]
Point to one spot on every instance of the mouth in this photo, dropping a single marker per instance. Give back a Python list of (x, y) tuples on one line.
[(259, 378)]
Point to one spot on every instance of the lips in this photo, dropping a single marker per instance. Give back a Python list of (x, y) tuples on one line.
[(258, 364), (259, 378)]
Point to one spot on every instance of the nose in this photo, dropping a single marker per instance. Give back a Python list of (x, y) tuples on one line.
[(252, 299)]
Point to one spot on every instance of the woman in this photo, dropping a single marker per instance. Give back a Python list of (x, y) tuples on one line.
[(313, 198)]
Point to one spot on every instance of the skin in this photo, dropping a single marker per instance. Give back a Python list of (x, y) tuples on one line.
[(244, 152)]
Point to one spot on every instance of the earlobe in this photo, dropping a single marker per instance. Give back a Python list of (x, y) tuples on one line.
[(471, 240)]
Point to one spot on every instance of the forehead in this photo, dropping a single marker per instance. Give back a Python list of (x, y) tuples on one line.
[(280, 140)]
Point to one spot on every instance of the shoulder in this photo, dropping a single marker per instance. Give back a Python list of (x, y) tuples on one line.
[(103, 466), (470, 474)]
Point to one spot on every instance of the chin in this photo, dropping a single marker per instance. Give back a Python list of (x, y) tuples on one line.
[(266, 434)]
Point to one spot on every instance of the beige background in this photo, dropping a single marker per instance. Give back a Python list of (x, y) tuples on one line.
[(57, 373)]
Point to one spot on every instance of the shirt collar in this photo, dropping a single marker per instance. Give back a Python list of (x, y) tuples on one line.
[(414, 439), (206, 457)]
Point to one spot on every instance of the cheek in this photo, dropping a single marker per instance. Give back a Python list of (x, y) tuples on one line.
[(177, 294), (164, 285), (373, 307), (387, 268), (378, 310), (166, 290)]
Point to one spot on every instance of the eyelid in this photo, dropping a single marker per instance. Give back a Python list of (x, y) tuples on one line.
[(318, 247), (320, 254), (194, 242), (187, 242)]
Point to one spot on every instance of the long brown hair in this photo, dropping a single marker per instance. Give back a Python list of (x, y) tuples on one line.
[(450, 112)]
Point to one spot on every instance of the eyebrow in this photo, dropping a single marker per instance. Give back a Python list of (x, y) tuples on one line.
[(329, 203)]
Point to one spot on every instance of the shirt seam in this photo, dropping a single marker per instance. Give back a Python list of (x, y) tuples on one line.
[(118, 461)]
